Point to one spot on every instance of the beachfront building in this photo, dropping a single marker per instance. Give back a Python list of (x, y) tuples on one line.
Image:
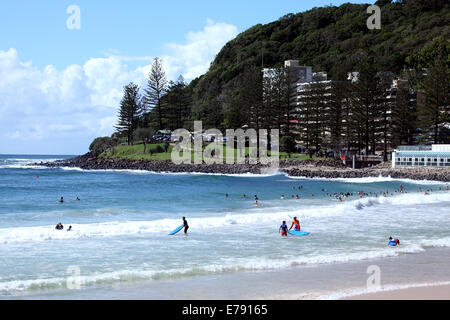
[(437, 155), (301, 79), (311, 106), (297, 73)]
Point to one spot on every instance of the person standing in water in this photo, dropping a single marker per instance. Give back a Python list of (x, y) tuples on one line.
[(283, 229), (295, 223), (185, 225), (61, 200), (394, 243)]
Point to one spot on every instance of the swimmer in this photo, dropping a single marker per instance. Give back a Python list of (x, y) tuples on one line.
[(283, 229), (393, 242)]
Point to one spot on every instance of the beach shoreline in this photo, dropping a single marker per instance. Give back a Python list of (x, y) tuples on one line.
[(423, 275), (411, 292), (328, 169)]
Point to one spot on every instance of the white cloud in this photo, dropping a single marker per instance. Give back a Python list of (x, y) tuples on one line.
[(193, 58), (60, 111)]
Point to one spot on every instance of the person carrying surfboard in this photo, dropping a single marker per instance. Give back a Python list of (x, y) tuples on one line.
[(185, 225), (295, 223)]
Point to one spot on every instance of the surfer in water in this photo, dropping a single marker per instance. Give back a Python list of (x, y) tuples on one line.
[(185, 225), (256, 199), (59, 226), (283, 229), (61, 200), (295, 223)]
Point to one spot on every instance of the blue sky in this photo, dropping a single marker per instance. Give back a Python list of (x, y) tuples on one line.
[(60, 88)]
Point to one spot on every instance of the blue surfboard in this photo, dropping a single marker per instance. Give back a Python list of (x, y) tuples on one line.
[(174, 232), (298, 233)]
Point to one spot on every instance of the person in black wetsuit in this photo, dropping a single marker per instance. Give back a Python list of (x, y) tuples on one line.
[(59, 226), (185, 225)]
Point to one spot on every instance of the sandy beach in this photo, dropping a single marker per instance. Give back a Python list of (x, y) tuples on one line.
[(438, 292)]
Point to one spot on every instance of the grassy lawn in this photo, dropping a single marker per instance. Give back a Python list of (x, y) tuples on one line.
[(136, 152)]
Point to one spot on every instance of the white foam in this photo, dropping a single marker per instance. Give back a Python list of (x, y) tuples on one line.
[(347, 293), (437, 243), (263, 216), (370, 180), (20, 163), (25, 167), (132, 171)]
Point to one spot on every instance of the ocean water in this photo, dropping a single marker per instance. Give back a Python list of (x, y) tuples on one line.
[(121, 225)]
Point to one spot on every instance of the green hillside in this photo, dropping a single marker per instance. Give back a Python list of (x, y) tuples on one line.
[(330, 39)]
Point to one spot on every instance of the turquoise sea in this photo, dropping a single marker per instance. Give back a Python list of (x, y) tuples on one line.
[(121, 225)]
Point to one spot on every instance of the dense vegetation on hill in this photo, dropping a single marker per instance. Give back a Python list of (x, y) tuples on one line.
[(413, 42), (330, 39)]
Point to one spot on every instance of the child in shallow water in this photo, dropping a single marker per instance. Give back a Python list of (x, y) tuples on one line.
[(283, 229)]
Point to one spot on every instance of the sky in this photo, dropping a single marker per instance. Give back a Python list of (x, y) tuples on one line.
[(63, 64)]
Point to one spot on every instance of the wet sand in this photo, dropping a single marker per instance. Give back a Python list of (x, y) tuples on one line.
[(416, 293)]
